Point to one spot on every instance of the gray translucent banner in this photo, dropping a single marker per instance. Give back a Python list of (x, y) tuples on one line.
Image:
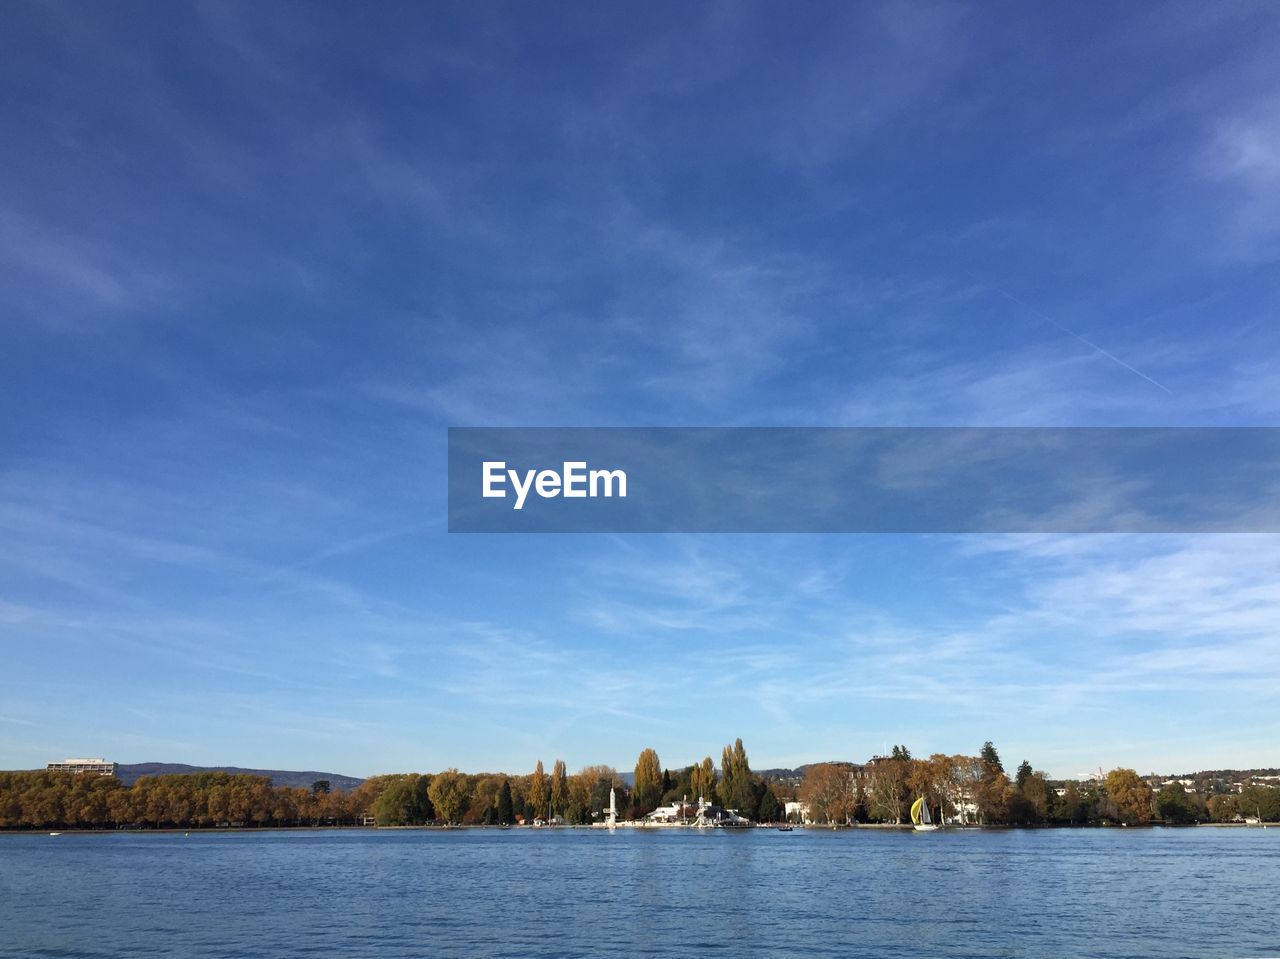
[(864, 480)]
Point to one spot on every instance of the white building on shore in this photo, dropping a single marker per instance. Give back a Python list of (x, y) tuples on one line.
[(800, 809), (96, 767), (703, 815), (675, 812)]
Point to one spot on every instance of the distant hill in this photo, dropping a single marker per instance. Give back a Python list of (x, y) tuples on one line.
[(797, 774), (279, 777)]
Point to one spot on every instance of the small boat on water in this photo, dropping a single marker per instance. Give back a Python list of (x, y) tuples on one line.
[(920, 817), (55, 834), (785, 828)]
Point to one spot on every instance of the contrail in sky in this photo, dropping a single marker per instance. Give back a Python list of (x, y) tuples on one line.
[(1087, 342)]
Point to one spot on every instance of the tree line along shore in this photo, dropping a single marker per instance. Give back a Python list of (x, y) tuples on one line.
[(959, 790)]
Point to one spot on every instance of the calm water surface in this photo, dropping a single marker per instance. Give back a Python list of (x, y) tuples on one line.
[(546, 893)]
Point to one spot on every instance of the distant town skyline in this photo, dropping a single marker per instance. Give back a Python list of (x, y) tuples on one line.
[(256, 260)]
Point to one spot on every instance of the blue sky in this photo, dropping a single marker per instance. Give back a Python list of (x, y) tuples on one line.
[(255, 259)]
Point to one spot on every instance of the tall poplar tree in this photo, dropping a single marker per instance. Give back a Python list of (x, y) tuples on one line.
[(539, 793), (647, 790), (702, 781), (735, 779), (559, 788)]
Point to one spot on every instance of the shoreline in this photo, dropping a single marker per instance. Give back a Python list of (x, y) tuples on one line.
[(632, 826)]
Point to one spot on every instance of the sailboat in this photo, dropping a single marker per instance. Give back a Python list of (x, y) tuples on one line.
[(920, 817)]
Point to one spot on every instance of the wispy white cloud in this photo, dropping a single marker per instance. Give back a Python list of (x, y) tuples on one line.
[(54, 277), (1243, 157)]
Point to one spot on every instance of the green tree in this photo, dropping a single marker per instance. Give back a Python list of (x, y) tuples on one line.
[(1260, 801), (398, 804), (1129, 795), (449, 795), (506, 815), (1174, 805), (1071, 806), (482, 805), (1024, 773), (578, 790), (647, 788), (1030, 799), (679, 785), (770, 808), (991, 759), (1224, 808)]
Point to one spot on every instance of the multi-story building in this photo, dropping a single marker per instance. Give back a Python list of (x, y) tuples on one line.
[(96, 767)]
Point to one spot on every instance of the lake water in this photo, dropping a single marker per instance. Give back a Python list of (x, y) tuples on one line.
[(563, 893)]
